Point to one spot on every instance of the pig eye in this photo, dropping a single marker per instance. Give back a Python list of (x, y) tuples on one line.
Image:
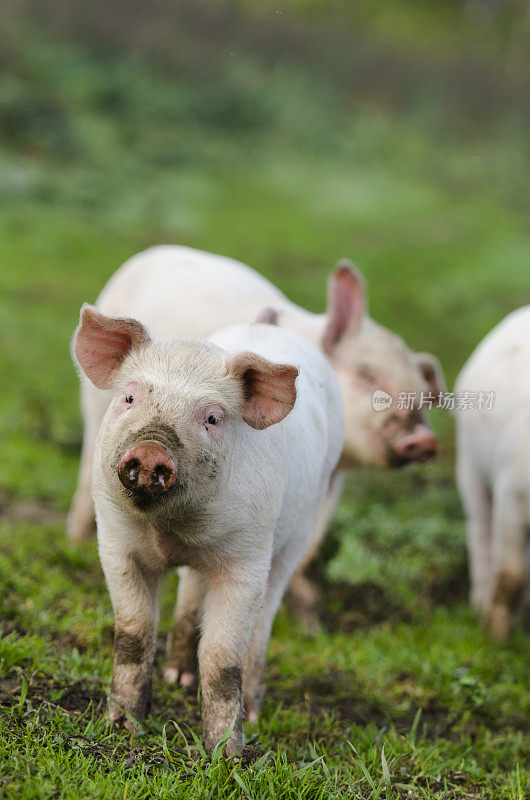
[(129, 399), (365, 373), (211, 417)]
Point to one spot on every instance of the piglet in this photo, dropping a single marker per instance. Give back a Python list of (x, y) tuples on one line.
[(213, 457), (493, 468)]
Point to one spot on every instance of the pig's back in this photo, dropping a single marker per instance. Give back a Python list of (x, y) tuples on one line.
[(499, 364), (178, 291)]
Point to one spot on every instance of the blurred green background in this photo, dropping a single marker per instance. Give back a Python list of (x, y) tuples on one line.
[(287, 135)]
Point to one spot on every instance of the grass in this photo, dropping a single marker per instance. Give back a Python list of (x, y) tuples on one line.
[(402, 695)]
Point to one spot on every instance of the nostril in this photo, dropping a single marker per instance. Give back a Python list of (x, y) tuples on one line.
[(161, 475), (132, 469)]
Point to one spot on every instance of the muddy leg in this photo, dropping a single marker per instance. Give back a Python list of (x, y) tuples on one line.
[(231, 610), (509, 540), (133, 591)]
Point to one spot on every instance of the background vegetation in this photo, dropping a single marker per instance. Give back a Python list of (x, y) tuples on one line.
[(287, 136)]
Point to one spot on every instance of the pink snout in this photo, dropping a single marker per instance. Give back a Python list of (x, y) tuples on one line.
[(420, 445), (147, 470)]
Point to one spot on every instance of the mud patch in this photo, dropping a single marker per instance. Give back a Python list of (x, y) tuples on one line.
[(446, 588), (44, 690), (150, 757), (348, 607), (342, 696), (78, 698), (334, 693)]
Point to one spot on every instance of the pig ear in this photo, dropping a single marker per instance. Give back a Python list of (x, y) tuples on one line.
[(431, 372), (270, 391), (346, 304), (101, 344), (267, 316)]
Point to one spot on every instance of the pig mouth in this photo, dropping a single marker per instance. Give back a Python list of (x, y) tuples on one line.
[(148, 499), (145, 500), (396, 461)]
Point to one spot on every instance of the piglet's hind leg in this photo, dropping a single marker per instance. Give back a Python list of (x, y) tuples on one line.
[(182, 642)]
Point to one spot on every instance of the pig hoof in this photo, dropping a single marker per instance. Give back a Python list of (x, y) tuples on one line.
[(114, 714), (122, 722), (188, 680), (173, 675), (116, 717), (252, 715)]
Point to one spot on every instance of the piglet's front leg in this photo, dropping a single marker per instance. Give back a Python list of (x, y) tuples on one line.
[(133, 590), (231, 609)]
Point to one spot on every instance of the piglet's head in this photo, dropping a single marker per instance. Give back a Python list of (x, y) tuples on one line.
[(176, 408), (367, 359)]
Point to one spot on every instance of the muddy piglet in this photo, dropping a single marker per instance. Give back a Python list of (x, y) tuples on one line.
[(214, 457)]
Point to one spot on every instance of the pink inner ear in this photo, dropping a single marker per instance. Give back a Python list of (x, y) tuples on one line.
[(270, 389), (102, 343), (431, 373), (101, 354), (346, 305), (429, 376)]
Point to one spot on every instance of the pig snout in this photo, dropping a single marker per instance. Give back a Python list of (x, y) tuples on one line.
[(420, 445), (147, 470)]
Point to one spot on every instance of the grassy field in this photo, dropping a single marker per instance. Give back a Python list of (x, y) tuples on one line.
[(402, 695)]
